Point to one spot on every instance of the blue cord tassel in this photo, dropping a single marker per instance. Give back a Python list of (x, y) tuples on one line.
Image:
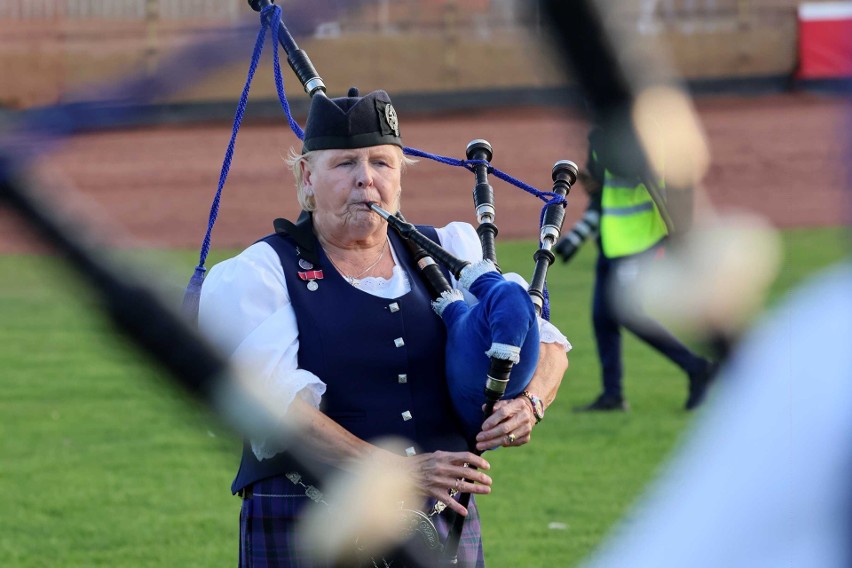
[(192, 295)]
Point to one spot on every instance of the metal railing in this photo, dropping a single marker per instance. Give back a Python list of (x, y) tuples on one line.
[(119, 9)]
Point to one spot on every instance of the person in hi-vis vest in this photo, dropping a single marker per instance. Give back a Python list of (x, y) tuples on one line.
[(630, 230)]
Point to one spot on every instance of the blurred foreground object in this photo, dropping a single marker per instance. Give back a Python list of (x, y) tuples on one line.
[(765, 479), (633, 95), (653, 132), (632, 238), (715, 282), (366, 514), (139, 309)]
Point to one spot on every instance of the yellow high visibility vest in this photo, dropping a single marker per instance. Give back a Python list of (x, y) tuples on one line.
[(630, 220)]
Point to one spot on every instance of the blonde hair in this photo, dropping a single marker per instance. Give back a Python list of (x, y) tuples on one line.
[(306, 199)]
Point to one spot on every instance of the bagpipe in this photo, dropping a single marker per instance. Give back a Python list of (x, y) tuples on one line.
[(492, 346), (496, 338)]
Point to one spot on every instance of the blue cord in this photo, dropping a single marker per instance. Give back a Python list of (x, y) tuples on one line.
[(229, 153), (276, 68), (193, 290)]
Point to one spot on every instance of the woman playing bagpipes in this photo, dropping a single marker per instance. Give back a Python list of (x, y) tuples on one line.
[(332, 316)]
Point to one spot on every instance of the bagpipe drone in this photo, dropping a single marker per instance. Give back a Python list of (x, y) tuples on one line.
[(492, 346)]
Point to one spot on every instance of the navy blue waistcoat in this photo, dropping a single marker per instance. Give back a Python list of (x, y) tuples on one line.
[(382, 360)]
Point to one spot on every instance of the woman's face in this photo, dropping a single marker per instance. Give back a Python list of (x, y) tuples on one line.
[(344, 182)]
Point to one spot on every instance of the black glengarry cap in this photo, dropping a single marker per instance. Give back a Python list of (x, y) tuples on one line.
[(351, 122)]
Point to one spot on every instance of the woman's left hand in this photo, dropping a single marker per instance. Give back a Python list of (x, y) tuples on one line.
[(510, 424)]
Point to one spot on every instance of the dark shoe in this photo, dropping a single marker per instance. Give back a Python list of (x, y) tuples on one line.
[(698, 385), (604, 404)]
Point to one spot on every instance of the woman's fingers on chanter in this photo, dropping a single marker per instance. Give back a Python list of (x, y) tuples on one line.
[(444, 467), (510, 415), (510, 425), (462, 471), (469, 459), (447, 473), (451, 503), (469, 466), (503, 411), (468, 486), (452, 461)]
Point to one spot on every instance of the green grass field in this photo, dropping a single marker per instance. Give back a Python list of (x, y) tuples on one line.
[(103, 464)]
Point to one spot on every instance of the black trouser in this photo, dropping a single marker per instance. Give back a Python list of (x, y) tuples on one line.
[(613, 276)]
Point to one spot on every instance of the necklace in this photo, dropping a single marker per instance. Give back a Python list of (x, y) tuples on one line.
[(355, 280)]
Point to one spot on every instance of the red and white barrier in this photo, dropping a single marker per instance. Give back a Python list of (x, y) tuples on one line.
[(825, 40)]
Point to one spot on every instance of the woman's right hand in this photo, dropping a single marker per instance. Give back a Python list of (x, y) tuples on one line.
[(436, 473)]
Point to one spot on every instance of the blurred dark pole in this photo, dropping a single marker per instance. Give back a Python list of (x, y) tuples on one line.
[(137, 308), (578, 33), (599, 62), (611, 73), (589, 54)]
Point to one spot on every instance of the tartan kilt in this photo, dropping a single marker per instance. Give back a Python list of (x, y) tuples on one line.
[(269, 516)]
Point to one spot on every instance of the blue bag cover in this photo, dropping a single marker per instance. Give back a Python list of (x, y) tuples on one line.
[(503, 316)]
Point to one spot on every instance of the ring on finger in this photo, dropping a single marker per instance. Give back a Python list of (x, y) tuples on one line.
[(510, 437)]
